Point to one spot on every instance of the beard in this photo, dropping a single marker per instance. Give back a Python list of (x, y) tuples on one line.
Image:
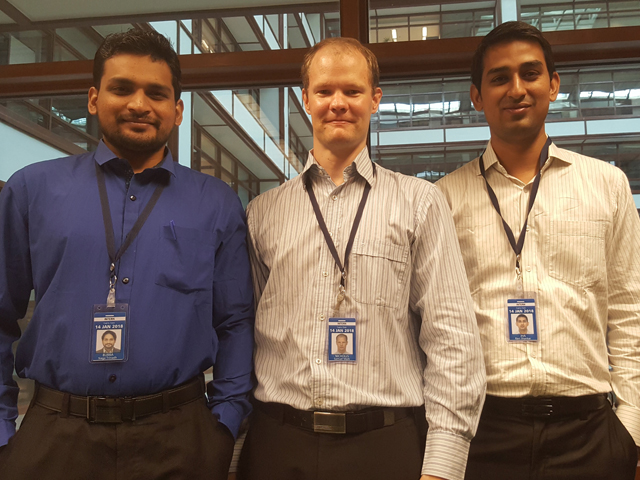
[(138, 144)]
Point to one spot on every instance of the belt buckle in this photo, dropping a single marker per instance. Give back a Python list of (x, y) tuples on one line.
[(100, 410), (329, 422), (542, 409)]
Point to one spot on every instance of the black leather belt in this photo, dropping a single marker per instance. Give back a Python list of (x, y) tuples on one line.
[(119, 409), (541, 407), (337, 422)]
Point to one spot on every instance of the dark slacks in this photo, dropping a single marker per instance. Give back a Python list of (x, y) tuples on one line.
[(591, 446), (185, 443), (277, 451)]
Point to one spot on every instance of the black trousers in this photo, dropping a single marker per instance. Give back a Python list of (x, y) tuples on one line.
[(184, 443), (277, 451), (591, 446)]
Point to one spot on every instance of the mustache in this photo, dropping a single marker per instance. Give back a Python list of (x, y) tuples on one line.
[(134, 118)]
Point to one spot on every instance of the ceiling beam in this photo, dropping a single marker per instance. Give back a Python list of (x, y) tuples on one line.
[(403, 60), (16, 15)]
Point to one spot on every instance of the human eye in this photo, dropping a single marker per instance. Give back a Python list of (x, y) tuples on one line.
[(498, 79), (531, 74), (119, 89), (158, 95)]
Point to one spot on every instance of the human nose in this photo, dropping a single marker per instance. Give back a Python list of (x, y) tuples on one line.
[(138, 102), (338, 101), (516, 87)]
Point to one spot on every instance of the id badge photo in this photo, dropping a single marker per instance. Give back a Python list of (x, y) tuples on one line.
[(109, 333), (342, 340), (521, 319)]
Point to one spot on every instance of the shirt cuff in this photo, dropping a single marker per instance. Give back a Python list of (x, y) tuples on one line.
[(445, 455), (630, 418), (228, 416)]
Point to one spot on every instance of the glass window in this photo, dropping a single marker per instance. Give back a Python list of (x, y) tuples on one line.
[(295, 28), (556, 16), (263, 134), (422, 22), (208, 32), (429, 128), (62, 44), (65, 116)]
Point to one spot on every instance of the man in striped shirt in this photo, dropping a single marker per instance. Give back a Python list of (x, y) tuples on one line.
[(555, 236), (350, 248)]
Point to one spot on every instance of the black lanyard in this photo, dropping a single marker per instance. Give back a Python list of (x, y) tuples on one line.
[(108, 227), (517, 247), (325, 231)]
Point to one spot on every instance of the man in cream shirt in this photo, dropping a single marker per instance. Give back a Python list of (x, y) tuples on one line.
[(554, 235)]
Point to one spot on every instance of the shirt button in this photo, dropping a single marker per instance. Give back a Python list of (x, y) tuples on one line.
[(325, 274), (112, 378), (133, 198), (321, 317), (125, 280), (319, 402), (318, 361), (334, 198), (528, 268)]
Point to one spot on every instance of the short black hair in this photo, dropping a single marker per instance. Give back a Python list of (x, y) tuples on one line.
[(139, 42), (110, 332), (506, 33)]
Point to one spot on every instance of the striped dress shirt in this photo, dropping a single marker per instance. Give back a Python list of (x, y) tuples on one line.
[(581, 257), (417, 340)]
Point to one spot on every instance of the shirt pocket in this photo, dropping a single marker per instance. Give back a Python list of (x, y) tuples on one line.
[(186, 259), (577, 252), (378, 271)]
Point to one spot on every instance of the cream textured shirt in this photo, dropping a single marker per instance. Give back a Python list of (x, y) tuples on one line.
[(581, 257), (417, 340)]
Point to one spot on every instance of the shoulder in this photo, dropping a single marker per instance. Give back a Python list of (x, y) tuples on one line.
[(415, 196), (274, 199), (459, 178), (63, 166), (403, 186), (588, 166), (41, 178), (596, 176)]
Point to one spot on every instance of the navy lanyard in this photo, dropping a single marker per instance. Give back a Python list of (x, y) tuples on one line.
[(517, 246), (325, 231), (114, 255)]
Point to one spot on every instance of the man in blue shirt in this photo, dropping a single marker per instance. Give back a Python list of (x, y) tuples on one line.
[(124, 239)]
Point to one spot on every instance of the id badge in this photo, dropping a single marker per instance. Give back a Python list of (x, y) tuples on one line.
[(109, 333), (522, 319), (342, 340)]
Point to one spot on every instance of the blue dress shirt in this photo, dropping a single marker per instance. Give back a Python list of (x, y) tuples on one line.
[(185, 277)]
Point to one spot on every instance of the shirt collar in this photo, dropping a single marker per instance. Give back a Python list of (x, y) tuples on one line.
[(555, 153), (103, 154), (361, 165), (559, 154)]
